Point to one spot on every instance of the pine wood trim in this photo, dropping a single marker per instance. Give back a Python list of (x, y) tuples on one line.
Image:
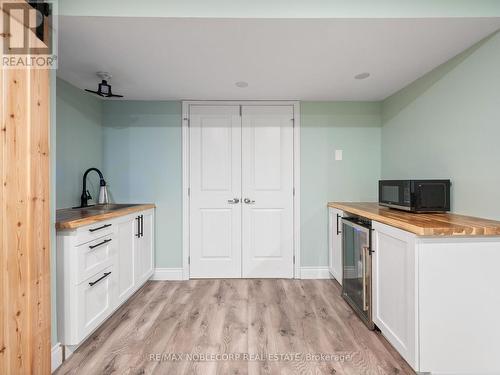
[(25, 222)]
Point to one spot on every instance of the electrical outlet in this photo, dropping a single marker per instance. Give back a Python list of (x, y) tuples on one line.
[(338, 155)]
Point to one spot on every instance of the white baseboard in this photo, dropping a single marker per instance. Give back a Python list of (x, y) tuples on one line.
[(56, 357), (167, 274), (177, 273), (314, 273)]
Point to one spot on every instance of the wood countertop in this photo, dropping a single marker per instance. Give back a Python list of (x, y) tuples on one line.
[(72, 218), (422, 224)]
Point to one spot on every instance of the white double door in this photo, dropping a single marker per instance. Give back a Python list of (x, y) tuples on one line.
[(241, 191)]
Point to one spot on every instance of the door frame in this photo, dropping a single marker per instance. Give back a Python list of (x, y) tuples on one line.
[(185, 173)]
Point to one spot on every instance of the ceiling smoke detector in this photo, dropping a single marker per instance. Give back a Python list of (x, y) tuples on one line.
[(241, 84), (362, 75), (104, 88)]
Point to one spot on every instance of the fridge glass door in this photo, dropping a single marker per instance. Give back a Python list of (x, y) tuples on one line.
[(356, 242)]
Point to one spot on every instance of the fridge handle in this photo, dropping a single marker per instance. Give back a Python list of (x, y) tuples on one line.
[(366, 249)]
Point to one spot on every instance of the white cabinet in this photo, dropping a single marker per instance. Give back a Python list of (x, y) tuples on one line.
[(435, 300), (394, 288), (94, 301), (126, 262), (143, 245), (335, 243), (98, 268), (459, 301)]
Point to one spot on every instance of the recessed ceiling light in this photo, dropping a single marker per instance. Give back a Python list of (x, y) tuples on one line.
[(362, 75), (241, 84)]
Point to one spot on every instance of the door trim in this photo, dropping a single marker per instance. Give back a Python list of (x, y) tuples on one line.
[(185, 174)]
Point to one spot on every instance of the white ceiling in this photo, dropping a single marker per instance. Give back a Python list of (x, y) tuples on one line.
[(313, 59), (281, 8)]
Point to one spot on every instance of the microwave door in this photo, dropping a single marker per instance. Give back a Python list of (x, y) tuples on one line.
[(390, 194), (432, 196), (395, 194)]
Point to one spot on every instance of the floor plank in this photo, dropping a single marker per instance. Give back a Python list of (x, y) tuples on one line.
[(285, 322)]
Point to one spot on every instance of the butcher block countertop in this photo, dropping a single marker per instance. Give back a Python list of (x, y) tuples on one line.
[(422, 224), (72, 218)]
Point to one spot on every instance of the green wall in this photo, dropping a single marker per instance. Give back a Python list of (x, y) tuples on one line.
[(447, 125), (353, 127), (79, 143), (142, 163), (76, 144)]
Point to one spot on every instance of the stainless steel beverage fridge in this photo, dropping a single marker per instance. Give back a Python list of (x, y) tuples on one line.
[(357, 269)]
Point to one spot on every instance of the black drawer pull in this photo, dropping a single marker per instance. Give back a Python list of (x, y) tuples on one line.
[(106, 274), (99, 228), (338, 231), (100, 243)]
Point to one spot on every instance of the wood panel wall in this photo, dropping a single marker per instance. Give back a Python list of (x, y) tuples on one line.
[(25, 346)]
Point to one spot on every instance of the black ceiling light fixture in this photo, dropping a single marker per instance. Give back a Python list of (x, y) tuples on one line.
[(104, 88)]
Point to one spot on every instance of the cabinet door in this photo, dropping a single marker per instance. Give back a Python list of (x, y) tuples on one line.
[(95, 301), (335, 243), (126, 262), (147, 241), (394, 289), (144, 248)]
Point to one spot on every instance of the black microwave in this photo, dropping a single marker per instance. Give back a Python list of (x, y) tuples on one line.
[(415, 195)]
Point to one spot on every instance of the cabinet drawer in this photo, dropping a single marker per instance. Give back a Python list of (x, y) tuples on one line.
[(94, 256), (94, 300), (94, 231)]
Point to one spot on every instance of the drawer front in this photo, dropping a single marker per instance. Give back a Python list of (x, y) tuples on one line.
[(95, 300), (94, 256), (94, 231)]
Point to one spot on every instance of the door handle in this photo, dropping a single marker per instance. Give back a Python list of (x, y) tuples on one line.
[(366, 271), (142, 225), (248, 201), (138, 218), (233, 201), (338, 231)]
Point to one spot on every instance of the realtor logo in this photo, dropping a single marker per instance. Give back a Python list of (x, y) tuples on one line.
[(27, 35)]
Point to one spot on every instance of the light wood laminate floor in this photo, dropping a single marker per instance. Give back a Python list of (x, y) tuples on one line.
[(268, 317)]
